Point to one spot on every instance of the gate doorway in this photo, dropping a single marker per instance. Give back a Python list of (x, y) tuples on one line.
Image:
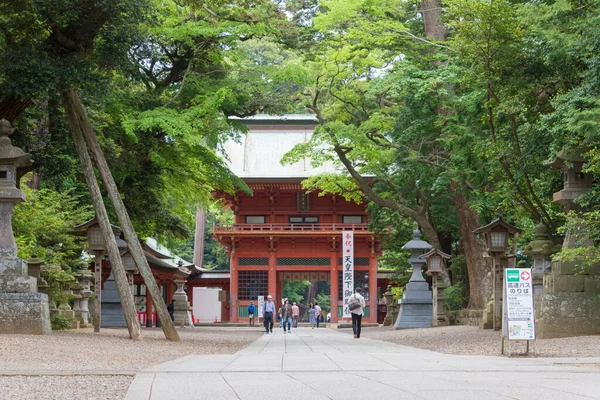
[(304, 288)]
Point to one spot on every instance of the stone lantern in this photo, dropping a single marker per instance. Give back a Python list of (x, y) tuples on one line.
[(182, 305), (576, 183), (97, 248), (496, 234), (435, 259), (416, 303), (84, 276), (390, 307), (22, 309), (34, 269), (130, 268), (541, 250)]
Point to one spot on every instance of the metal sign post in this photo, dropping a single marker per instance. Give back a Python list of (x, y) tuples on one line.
[(518, 310), (261, 306)]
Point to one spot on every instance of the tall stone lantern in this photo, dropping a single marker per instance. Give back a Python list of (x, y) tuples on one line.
[(416, 304), (576, 183), (22, 309), (541, 250), (182, 305), (497, 234)]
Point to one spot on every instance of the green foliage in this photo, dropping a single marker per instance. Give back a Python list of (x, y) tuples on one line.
[(43, 226), (584, 229), (324, 301), (60, 323), (455, 297), (295, 291)]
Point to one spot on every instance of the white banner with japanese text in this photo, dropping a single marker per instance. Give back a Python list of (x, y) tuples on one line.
[(347, 268), (520, 317)]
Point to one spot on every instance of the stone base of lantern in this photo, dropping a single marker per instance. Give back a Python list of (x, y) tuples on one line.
[(568, 304), (487, 319), (416, 307), (24, 313)]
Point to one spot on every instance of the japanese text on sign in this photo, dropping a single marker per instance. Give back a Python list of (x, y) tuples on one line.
[(347, 268), (519, 304)]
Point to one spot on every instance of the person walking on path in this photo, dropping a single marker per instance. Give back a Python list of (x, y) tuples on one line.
[(251, 311), (317, 314), (311, 315), (356, 303), (286, 315), (171, 309), (295, 315), (269, 312)]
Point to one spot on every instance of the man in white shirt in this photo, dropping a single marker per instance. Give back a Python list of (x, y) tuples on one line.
[(357, 314), (269, 311)]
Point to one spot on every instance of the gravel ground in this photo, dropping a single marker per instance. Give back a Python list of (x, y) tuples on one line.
[(64, 387), (111, 350), (475, 341)]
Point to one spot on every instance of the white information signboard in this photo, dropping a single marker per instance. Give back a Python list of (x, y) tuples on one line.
[(347, 268), (261, 306), (518, 292)]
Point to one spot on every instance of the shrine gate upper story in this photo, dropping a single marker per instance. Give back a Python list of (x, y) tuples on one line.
[(283, 233)]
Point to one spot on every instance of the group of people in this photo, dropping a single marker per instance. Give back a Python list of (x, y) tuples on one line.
[(288, 314)]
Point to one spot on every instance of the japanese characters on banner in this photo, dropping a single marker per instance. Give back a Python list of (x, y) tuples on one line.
[(518, 294), (261, 306), (347, 268)]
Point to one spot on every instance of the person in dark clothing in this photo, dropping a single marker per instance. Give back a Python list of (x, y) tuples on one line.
[(357, 313), (269, 310), (171, 310), (251, 311)]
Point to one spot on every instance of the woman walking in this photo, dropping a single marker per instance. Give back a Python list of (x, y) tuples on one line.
[(286, 315), (311, 315), (317, 314)]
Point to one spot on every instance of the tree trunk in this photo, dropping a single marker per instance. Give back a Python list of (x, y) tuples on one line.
[(432, 11), (127, 303), (478, 268), (135, 247)]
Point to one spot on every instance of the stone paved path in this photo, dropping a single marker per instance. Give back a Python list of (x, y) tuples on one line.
[(327, 364)]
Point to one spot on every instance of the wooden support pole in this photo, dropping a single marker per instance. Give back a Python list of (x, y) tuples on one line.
[(148, 309), (434, 290), (135, 248), (112, 249)]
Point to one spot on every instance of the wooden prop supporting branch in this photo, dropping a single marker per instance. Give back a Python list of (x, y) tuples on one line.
[(135, 248), (116, 262)]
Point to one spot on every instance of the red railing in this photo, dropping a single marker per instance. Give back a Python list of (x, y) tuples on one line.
[(290, 227)]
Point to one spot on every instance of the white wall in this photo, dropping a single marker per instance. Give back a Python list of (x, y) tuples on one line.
[(206, 305)]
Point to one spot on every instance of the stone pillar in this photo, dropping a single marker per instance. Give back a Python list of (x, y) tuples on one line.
[(442, 318), (389, 298), (22, 309)]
